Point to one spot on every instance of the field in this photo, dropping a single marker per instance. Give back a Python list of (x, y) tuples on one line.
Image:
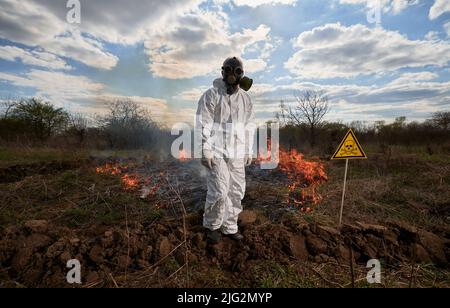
[(135, 221)]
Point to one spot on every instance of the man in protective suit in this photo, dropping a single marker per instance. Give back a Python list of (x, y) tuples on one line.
[(225, 116)]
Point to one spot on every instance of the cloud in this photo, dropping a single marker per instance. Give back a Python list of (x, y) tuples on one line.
[(413, 77), (33, 57), (407, 87), (191, 95), (58, 87), (83, 49), (256, 3), (334, 50), (432, 36), (28, 22), (34, 23), (182, 41), (447, 28), (80, 94), (43, 23), (394, 6), (414, 95), (350, 111), (114, 21), (439, 8), (196, 44)]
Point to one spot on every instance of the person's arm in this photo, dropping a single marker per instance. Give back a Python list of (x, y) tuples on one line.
[(250, 129), (205, 122)]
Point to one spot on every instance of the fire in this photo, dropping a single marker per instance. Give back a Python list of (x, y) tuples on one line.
[(110, 168), (129, 181), (182, 156), (304, 177)]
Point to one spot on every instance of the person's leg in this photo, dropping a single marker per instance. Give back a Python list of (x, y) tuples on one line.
[(217, 183), (236, 193)]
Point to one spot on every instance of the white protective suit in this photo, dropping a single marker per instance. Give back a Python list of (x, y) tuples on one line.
[(231, 116)]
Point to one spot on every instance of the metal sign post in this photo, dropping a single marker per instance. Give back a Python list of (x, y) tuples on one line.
[(343, 192)]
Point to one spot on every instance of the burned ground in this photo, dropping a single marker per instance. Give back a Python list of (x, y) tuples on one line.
[(144, 229)]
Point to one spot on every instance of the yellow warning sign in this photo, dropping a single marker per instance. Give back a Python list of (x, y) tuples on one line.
[(349, 148)]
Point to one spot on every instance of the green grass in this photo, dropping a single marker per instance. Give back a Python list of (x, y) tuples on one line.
[(271, 274)]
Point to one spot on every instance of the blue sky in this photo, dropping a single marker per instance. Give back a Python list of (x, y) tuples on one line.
[(164, 54)]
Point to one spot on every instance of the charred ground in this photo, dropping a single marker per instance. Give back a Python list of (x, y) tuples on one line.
[(150, 234)]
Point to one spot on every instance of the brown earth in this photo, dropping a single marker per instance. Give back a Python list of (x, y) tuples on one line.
[(141, 242), (35, 254)]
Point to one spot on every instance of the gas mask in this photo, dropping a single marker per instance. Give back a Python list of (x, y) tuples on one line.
[(233, 75)]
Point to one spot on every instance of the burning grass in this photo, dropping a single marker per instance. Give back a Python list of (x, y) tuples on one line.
[(304, 177), (97, 204)]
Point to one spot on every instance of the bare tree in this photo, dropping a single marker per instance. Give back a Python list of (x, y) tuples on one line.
[(7, 105), (441, 119), (128, 125), (308, 110), (78, 126)]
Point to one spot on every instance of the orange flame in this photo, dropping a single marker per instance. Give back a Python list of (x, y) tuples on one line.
[(305, 176), (130, 182), (110, 168), (182, 156)]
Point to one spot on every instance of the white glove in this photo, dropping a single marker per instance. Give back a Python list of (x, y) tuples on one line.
[(207, 162)]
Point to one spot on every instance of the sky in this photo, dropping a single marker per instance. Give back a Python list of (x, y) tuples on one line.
[(374, 59)]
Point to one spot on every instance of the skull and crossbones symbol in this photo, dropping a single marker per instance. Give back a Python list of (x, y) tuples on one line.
[(349, 148)]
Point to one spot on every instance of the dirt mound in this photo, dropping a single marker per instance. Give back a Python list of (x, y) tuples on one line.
[(35, 254)]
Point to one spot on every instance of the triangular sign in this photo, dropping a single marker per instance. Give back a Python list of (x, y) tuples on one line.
[(349, 148)]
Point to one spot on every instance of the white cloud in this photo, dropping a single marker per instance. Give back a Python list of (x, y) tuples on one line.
[(34, 57), (182, 41), (447, 28), (414, 95), (254, 65), (56, 86), (192, 95), (283, 78), (394, 6), (28, 22), (413, 77), (334, 50), (80, 94), (256, 3), (43, 23), (439, 8), (34, 23), (196, 44), (432, 36), (83, 49), (118, 21)]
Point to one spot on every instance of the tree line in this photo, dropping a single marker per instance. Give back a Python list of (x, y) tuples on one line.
[(304, 127), (125, 125)]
